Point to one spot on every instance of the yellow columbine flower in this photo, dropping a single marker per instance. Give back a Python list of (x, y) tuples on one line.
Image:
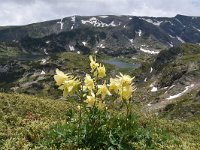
[(93, 63), (115, 85), (69, 87), (90, 100), (103, 90), (101, 71), (101, 105), (125, 79), (89, 83), (126, 93), (61, 77)]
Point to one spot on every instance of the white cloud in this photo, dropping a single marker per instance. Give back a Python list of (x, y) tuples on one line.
[(14, 12)]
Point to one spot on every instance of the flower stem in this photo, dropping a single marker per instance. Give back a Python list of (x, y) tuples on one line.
[(79, 126)]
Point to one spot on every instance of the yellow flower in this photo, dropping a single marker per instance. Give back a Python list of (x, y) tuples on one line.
[(103, 90), (101, 71), (101, 105), (93, 63), (61, 77), (90, 100), (125, 79), (115, 85), (69, 87), (89, 83), (126, 93)]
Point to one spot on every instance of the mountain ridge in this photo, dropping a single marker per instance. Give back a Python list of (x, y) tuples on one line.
[(131, 31)]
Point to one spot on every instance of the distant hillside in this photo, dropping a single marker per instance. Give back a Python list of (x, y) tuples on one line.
[(108, 34)]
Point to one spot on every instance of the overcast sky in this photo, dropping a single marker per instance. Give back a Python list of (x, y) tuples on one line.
[(17, 12)]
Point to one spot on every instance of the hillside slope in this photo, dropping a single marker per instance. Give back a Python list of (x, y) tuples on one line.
[(25, 121)]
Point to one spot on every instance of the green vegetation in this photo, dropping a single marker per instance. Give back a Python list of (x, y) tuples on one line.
[(28, 122)]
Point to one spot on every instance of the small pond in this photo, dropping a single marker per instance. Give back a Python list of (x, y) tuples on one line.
[(121, 64)]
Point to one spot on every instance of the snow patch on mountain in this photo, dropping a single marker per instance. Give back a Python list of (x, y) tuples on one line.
[(179, 22), (155, 22), (73, 18), (196, 29), (181, 40), (103, 16), (97, 23), (151, 70), (42, 72), (43, 61), (101, 46), (45, 51), (154, 89), (61, 23), (181, 93), (149, 51), (71, 48), (84, 43), (131, 40), (139, 33)]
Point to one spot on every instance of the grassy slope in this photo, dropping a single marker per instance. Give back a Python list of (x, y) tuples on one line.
[(24, 122)]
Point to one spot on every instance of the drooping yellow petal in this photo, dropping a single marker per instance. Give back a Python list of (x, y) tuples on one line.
[(90, 100), (115, 85), (103, 91), (89, 83), (60, 77), (93, 63), (125, 79), (101, 71)]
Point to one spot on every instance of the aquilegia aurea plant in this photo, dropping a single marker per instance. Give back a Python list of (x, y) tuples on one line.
[(93, 91)]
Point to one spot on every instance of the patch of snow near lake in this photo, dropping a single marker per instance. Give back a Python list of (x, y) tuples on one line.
[(45, 51), (180, 94), (101, 46), (171, 87), (84, 43), (61, 24), (149, 51), (149, 104), (78, 52), (97, 23), (43, 61), (171, 45), (151, 70), (71, 48), (154, 89), (181, 40), (151, 85), (133, 58), (42, 72), (171, 36)]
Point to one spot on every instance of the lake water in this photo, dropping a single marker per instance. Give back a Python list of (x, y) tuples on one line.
[(121, 64)]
